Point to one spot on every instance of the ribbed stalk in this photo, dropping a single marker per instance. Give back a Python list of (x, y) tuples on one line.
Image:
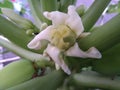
[(93, 13), (103, 37), (92, 79)]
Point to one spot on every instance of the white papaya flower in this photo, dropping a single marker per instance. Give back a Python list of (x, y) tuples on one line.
[(62, 35)]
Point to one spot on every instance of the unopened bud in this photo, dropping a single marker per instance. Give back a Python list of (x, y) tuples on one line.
[(43, 26), (29, 32), (81, 10)]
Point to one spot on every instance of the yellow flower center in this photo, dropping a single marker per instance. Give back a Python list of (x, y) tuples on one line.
[(62, 37)]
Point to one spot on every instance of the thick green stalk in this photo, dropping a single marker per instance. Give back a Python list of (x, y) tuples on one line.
[(49, 82), (16, 73), (110, 62), (93, 13), (92, 79), (14, 33), (37, 11), (48, 5), (25, 53), (65, 3), (103, 37)]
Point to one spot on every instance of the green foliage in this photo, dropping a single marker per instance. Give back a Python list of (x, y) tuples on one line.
[(114, 8), (6, 4)]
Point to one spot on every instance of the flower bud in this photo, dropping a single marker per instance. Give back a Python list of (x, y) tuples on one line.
[(81, 10)]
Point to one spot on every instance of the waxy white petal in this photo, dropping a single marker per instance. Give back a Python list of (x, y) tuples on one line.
[(57, 18), (54, 53), (43, 35), (75, 51), (34, 44), (74, 21)]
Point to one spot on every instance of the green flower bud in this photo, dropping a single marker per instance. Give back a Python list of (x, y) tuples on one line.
[(29, 32), (43, 26), (81, 10)]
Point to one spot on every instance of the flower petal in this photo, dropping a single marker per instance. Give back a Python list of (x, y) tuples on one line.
[(56, 17), (36, 42), (74, 21), (75, 51), (54, 53)]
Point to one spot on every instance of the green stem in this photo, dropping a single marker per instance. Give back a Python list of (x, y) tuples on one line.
[(92, 79), (109, 63), (37, 11), (93, 13), (103, 37), (24, 53), (64, 5), (48, 82), (14, 33), (50, 5)]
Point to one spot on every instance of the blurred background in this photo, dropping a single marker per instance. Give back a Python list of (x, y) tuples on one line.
[(22, 7)]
